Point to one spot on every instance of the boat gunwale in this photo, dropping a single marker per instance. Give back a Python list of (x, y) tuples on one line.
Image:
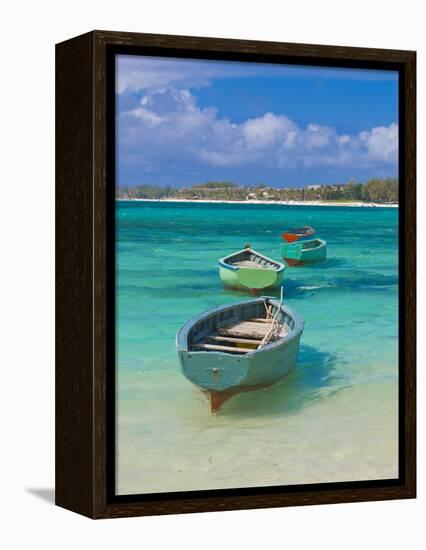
[(222, 261), (301, 244), (294, 231), (182, 333)]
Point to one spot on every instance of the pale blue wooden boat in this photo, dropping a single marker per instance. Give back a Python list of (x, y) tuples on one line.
[(226, 350)]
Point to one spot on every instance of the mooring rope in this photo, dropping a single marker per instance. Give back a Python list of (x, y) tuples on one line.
[(276, 325)]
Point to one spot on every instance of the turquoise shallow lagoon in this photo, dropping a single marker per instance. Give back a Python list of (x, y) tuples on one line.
[(333, 419)]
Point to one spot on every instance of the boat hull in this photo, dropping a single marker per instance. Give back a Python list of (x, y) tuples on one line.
[(222, 372), (259, 279), (300, 253)]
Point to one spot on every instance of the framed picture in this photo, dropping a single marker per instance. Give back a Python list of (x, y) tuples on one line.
[(235, 275)]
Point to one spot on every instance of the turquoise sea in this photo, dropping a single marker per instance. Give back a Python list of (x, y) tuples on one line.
[(333, 419)]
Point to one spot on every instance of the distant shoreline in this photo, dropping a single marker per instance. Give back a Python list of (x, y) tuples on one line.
[(283, 203)]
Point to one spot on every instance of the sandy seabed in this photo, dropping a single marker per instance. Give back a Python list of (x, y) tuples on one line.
[(261, 438)]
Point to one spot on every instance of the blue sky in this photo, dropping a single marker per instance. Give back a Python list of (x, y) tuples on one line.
[(183, 121)]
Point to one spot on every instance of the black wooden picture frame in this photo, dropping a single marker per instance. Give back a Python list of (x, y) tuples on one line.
[(85, 286)]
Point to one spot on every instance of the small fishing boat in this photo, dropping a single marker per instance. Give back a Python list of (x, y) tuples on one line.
[(304, 252), (298, 233), (250, 270), (240, 347)]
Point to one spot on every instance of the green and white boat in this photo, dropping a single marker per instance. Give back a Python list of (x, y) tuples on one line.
[(304, 252), (239, 347), (251, 271)]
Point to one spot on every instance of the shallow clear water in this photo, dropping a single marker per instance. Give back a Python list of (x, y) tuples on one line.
[(333, 419)]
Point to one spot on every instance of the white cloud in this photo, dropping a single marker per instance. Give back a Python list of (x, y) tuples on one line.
[(319, 137), (137, 73), (381, 142), (147, 116), (263, 132), (169, 125)]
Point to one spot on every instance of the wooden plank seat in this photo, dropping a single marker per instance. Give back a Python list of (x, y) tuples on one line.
[(260, 320), (248, 329), (249, 263), (237, 337), (245, 329), (215, 347), (234, 340)]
